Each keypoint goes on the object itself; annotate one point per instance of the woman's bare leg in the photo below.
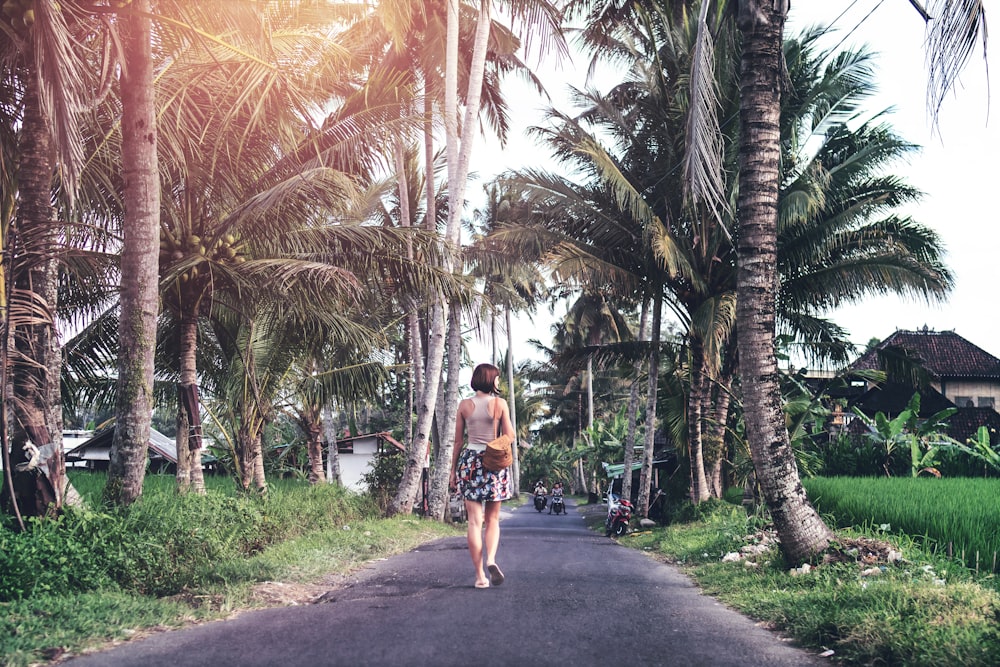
(474, 536)
(492, 538)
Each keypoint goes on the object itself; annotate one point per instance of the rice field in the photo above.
(958, 516)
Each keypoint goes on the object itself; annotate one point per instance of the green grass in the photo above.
(924, 611)
(99, 575)
(47, 627)
(951, 516)
(927, 610)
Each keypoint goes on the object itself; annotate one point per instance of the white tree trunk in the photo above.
(511, 400)
(447, 413)
(590, 392)
(462, 153)
(458, 155)
(416, 451)
(633, 409)
(332, 456)
(646, 475)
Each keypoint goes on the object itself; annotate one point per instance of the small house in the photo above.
(357, 453)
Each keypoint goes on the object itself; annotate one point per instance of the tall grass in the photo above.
(164, 543)
(100, 574)
(956, 517)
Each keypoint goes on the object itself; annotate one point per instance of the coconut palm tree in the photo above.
(670, 245)
(312, 384)
(227, 202)
(251, 235)
(537, 16)
(139, 262)
(509, 284)
(846, 204)
(802, 532)
(51, 85)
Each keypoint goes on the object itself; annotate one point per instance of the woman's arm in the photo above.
(459, 437)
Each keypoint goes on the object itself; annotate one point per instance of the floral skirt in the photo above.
(477, 484)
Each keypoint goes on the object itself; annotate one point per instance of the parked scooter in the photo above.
(558, 505)
(540, 501)
(618, 518)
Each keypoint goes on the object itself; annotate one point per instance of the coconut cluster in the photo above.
(222, 250)
(19, 13)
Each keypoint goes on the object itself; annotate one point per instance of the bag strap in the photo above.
(496, 417)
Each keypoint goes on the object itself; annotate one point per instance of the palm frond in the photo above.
(703, 170)
(955, 28)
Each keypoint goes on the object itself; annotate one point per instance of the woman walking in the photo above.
(483, 490)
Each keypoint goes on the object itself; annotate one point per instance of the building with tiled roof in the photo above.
(964, 373)
(954, 373)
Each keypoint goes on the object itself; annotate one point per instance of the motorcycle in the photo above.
(540, 501)
(618, 518)
(558, 505)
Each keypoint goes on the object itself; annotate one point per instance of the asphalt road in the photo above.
(571, 597)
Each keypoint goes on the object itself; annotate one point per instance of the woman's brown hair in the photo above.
(484, 378)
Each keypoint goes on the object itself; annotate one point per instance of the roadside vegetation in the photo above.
(96, 576)
(890, 594)
(319, 273)
(883, 597)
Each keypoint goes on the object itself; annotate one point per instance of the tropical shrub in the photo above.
(383, 478)
(849, 455)
(919, 439)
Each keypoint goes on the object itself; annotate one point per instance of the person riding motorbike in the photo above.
(540, 500)
(557, 495)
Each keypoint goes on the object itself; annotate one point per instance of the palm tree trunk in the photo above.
(458, 167)
(314, 446)
(444, 447)
(800, 529)
(259, 481)
(590, 392)
(412, 316)
(189, 475)
(463, 154)
(633, 409)
(646, 474)
(33, 242)
(250, 459)
(332, 455)
(182, 475)
(720, 417)
(715, 437)
(416, 451)
(699, 486)
(139, 262)
(512, 402)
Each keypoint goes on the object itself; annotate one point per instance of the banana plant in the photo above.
(980, 447)
(923, 438)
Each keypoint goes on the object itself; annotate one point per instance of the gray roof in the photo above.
(98, 447)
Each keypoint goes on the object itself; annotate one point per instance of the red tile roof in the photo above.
(944, 353)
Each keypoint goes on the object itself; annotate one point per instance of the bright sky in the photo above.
(954, 169)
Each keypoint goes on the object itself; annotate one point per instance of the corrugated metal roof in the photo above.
(97, 447)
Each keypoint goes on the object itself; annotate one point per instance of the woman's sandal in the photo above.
(482, 584)
(496, 576)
